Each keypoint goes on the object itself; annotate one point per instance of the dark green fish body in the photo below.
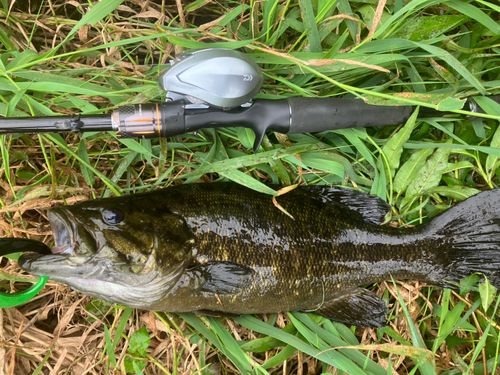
(224, 249)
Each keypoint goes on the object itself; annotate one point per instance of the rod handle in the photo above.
(310, 115)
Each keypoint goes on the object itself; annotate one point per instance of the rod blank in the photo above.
(55, 124)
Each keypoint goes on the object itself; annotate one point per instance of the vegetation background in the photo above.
(64, 57)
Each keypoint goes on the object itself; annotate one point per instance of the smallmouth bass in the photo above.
(223, 249)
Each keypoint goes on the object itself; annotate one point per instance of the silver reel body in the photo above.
(215, 77)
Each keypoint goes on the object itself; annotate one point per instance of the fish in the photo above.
(222, 249)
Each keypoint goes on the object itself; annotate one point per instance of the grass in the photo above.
(58, 58)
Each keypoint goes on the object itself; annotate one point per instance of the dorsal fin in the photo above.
(370, 209)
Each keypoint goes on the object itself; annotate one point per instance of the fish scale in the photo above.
(327, 267)
(223, 249)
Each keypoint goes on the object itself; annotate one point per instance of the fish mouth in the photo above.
(63, 233)
(70, 236)
(75, 246)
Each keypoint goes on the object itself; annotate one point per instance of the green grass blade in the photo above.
(197, 4)
(421, 145)
(429, 176)
(459, 193)
(425, 368)
(259, 326)
(309, 20)
(476, 14)
(123, 322)
(334, 341)
(220, 342)
(480, 345)
(268, 17)
(109, 346)
(315, 341)
(250, 182)
(231, 345)
(409, 9)
(87, 174)
(394, 147)
(22, 58)
(97, 13)
(444, 311)
(56, 138)
(323, 162)
(410, 168)
(284, 354)
(489, 105)
(345, 8)
(123, 165)
(38, 370)
(191, 44)
(457, 65)
(249, 160)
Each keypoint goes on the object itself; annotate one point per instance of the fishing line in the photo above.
(322, 302)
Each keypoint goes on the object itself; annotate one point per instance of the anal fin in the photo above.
(356, 306)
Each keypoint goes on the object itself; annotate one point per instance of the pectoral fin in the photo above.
(356, 306)
(221, 277)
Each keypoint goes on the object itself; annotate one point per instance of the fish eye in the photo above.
(112, 216)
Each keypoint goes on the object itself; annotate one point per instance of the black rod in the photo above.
(55, 124)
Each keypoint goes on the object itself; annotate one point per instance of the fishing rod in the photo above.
(215, 88)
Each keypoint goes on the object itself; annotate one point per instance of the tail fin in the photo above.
(470, 232)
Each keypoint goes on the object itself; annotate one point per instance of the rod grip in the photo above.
(309, 115)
